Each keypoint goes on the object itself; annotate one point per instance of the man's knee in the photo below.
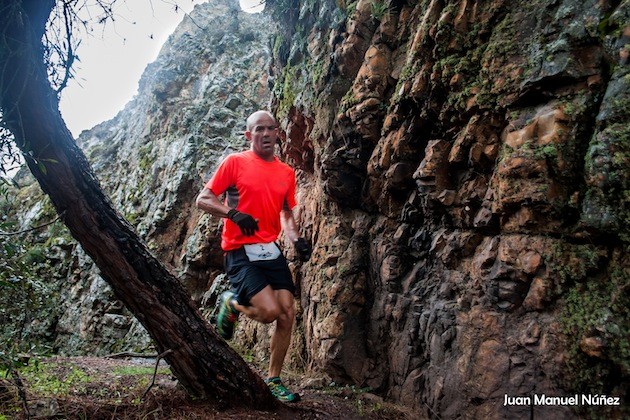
(287, 316)
(289, 312)
(267, 315)
(284, 314)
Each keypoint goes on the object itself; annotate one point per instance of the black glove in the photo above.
(303, 249)
(247, 223)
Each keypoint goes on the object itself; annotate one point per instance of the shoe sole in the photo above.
(223, 304)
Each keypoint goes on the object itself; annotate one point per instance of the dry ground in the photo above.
(106, 388)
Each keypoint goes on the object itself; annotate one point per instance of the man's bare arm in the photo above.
(289, 225)
(208, 202)
(291, 230)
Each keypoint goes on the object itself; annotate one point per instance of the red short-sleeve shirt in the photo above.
(256, 187)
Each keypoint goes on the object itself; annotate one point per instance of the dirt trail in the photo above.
(106, 388)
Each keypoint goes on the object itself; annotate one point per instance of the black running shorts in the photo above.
(250, 277)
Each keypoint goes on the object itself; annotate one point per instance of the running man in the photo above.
(260, 197)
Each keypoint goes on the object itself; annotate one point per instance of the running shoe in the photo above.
(228, 316)
(280, 391)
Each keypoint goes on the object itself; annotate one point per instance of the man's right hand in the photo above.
(247, 223)
(303, 248)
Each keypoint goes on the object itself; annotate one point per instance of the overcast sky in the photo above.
(113, 58)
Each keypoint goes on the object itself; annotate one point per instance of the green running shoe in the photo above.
(226, 320)
(280, 391)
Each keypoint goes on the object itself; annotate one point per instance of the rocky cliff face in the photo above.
(463, 171)
(463, 176)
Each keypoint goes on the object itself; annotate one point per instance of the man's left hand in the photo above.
(303, 248)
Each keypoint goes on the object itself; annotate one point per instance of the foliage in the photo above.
(102, 382)
(50, 379)
(288, 92)
(598, 309)
(9, 157)
(60, 43)
(594, 311)
(379, 9)
(69, 22)
(572, 263)
(140, 370)
(28, 299)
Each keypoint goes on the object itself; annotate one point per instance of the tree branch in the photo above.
(157, 363)
(33, 228)
(69, 60)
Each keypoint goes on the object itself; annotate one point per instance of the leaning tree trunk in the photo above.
(201, 361)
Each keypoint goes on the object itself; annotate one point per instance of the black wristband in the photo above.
(231, 213)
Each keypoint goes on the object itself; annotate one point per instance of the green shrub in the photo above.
(28, 298)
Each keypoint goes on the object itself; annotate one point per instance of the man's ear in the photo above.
(248, 135)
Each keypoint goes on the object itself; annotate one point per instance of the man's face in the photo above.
(263, 134)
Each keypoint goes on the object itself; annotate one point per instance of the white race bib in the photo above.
(262, 252)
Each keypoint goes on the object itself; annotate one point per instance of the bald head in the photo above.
(256, 116)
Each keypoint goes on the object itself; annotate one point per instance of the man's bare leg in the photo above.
(281, 337)
(267, 306)
(263, 306)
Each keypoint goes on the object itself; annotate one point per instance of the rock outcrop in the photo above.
(463, 171)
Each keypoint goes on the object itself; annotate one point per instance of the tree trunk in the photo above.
(203, 363)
